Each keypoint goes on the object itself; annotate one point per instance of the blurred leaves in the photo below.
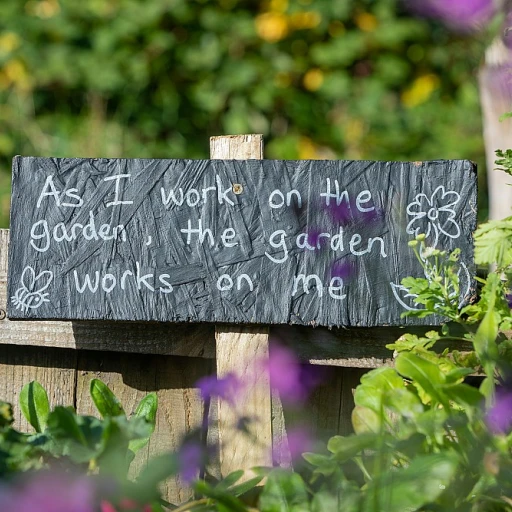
(134, 78)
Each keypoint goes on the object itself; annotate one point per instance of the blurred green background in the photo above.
(156, 78)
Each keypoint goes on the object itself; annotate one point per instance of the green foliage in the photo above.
(157, 78)
(65, 439)
(34, 405)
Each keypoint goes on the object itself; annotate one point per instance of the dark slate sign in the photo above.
(250, 241)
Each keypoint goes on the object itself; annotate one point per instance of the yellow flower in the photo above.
(42, 9)
(366, 22)
(420, 90)
(304, 20)
(313, 79)
(9, 41)
(272, 26)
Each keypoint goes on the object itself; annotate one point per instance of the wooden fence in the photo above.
(137, 358)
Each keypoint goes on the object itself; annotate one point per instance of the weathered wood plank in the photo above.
(54, 369)
(239, 351)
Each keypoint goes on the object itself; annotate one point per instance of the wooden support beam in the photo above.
(239, 349)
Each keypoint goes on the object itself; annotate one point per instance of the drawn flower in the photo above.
(434, 215)
(460, 15)
(499, 416)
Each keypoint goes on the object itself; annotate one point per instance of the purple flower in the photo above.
(344, 269)
(288, 377)
(339, 213)
(460, 15)
(190, 460)
(508, 297)
(49, 492)
(499, 416)
(225, 387)
(296, 442)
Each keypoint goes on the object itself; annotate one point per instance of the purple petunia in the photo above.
(190, 459)
(460, 15)
(288, 377)
(297, 441)
(226, 387)
(49, 492)
(499, 416)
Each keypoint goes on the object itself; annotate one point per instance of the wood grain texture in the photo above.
(238, 241)
(496, 97)
(54, 369)
(239, 351)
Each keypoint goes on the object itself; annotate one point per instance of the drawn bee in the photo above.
(30, 294)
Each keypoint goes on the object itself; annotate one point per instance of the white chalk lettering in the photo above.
(167, 199)
(39, 236)
(271, 201)
(117, 179)
(223, 195)
(225, 282)
(48, 184)
(335, 290)
(343, 196)
(200, 232)
(113, 282)
(163, 280)
(247, 279)
(143, 279)
(87, 282)
(302, 242)
(302, 278)
(71, 193)
(193, 201)
(278, 245)
(227, 235)
(364, 197)
(227, 279)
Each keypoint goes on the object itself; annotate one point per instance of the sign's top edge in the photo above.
(103, 159)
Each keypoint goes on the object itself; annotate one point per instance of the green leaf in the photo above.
(374, 384)
(365, 420)
(493, 243)
(104, 400)
(464, 394)
(146, 410)
(344, 448)
(62, 424)
(504, 116)
(238, 490)
(404, 402)
(34, 405)
(409, 489)
(228, 502)
(284, 492)
(424, 373)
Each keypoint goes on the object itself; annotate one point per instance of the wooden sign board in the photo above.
(250, 241)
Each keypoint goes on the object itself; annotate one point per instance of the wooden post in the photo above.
(496, 99)
(239, 349)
